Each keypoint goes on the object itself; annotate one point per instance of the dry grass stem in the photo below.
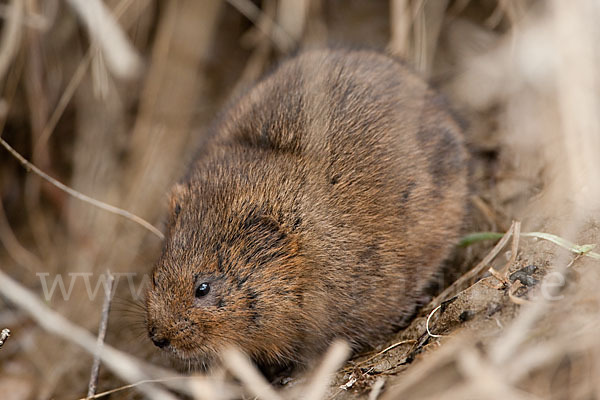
(391, 347)
(122, 59)
(80, 196)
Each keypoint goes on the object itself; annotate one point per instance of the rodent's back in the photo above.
(333, 190)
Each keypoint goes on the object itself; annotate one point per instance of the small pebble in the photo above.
(524, 275)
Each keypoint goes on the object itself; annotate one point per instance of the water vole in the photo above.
(326, 200)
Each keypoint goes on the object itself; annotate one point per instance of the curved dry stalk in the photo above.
(433, 335)
(391, 347)
(97, 203)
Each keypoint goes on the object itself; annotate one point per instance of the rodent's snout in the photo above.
(169, 322)
(159, 338)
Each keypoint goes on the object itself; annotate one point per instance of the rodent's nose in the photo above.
(160, 341)
(157, 339)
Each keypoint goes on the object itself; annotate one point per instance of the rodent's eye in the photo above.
(177, 209)
(202, 289)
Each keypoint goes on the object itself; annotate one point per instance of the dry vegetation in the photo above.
(111, 98)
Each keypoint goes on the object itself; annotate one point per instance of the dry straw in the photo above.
(96, 203)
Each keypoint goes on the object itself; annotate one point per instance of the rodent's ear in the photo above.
(268, 231)
(176, 198)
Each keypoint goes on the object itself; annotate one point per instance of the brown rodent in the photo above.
(326, 200)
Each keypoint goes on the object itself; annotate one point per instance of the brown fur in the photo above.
(325, 202)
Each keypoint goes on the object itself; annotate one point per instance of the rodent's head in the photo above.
(228, 276)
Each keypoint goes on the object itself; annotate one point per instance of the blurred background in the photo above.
(112, 98)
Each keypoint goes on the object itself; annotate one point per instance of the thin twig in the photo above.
(107, 207)
(101, 335)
